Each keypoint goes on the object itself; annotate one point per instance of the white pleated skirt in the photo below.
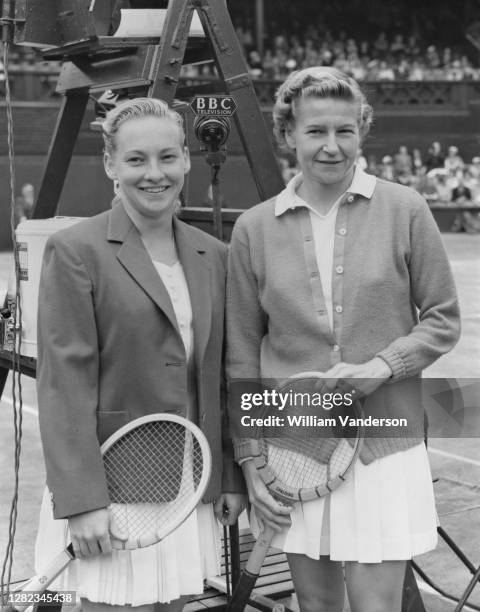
(160, 573)
(385, 511)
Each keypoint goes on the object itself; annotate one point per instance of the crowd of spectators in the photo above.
(400, 57)
(382, 59)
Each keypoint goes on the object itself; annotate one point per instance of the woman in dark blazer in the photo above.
(131, 323)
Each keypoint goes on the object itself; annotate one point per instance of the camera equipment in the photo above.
(213, 132)
(212, 129)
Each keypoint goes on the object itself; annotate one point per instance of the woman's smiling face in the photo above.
(149, 162)
(326, 138)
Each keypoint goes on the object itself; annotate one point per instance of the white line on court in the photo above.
(446, 454)
(25, 407)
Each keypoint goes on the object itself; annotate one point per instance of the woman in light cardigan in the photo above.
(345, 274)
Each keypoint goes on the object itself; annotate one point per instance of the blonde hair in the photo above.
(320, 82)
(137, 108)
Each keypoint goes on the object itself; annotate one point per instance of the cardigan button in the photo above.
(336, 348)
(338, 309)
(350, 198)
(339, 269)
(342, 231)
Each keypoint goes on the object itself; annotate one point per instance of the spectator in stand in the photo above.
(469, 72)
(397, 48)
(447, 56)
(381, 45)
(417, 161)
(402, 71)
(290, 65)
(453, 161)
(387, 171)
(326, 55)
(373, 167)
(461, 194)
(455, 72)
(465, 221)
(351, 47)
(269, 71)
(361, 160)
(385, 72)
(435, 156)
(417, 71)
(432, 59)
(425, 185)
(280, 61)
(472, 182)
(311, 54)
(364, 49)
(412, 47)
(357, 69)
(255, 64)
(403, 162)
(444, 193)
(475, 168)
(372, 70)
(341, 63)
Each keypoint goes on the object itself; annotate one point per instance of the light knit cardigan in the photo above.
(393, 297)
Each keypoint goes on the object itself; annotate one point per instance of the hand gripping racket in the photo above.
(157, 469)
(303, 454)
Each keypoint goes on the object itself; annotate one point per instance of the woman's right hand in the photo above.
(90, 533)
(267, 508)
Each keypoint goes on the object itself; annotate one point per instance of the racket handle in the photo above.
(41, 581)
(249, 575)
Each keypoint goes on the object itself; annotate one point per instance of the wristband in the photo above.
(244, 460)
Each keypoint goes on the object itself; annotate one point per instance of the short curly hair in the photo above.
(137, 108)
(321, 82)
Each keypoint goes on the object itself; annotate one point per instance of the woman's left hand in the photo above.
(228, 507)
(362, 378)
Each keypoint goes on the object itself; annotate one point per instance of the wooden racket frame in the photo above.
(202, 485)
(41, 581)
(285, 492)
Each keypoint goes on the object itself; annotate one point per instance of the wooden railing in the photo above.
(447, 95)
(36, 84)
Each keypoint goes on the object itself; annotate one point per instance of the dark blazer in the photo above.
(109, 350)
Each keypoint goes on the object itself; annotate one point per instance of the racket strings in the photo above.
(152, 473)
(298, 470)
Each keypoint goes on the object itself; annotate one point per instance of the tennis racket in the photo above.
(303, 454)
(157, 469)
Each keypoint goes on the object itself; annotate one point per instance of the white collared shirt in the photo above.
(323, 226)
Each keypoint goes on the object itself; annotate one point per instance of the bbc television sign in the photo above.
(224, 106)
